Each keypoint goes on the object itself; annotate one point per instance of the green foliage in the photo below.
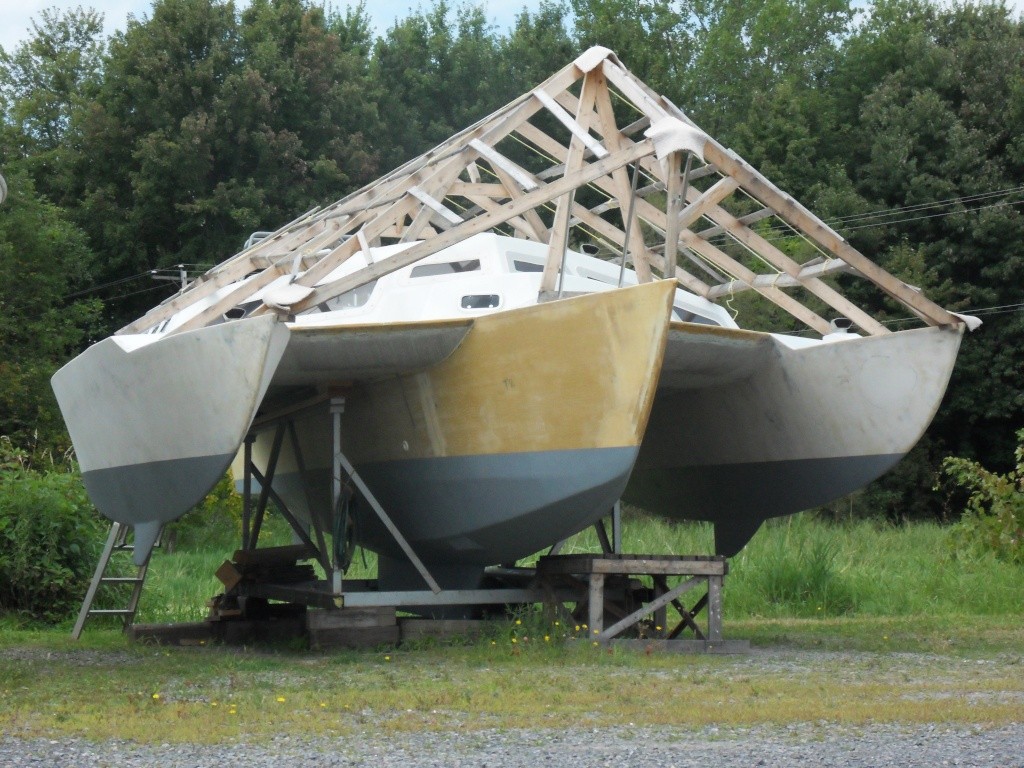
(43, 258)
(50, 537)
(215, 522)
(993, 517)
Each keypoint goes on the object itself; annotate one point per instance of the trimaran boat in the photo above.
(510, 333)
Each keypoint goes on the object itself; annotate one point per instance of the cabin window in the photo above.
(446, 268)
(690, 317)
(357, 297)
(481, 301)
(526, 266)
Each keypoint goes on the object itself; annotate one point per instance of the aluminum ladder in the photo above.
(116, 542)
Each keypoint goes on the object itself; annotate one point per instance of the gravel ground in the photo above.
(805, 745)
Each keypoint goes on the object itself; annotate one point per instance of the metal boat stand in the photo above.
(336, 592)
(597, 586)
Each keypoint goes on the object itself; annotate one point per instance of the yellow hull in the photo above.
(525, 434)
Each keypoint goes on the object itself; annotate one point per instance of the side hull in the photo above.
(156, 422)
(806, 427)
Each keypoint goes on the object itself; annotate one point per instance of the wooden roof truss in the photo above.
(590, 155)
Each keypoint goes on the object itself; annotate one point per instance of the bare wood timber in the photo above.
(792, 212)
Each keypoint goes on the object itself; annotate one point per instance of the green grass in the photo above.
(801, 566)
(851, 623)
(849, 671)
(795, 567)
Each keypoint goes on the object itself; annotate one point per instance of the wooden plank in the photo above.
(468, 189)
(220, 276)
(274, 555)
(440, 629)
(622, 188)
(634, 90)
(232, 299)
(499, 162)
(674, 200)
(777, 258)
(351, 618)
(228, 575)
(700, 203)
(729, 265)
(650, 607)
(750, 218)
(578, 127)
(353, 638)
(796, 215)
(781, 280)
(531, 217)
(558, 236)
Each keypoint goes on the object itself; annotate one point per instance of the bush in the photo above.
(993, 518)
(50, 537)
(216, 522)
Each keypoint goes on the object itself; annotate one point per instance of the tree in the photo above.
(45, 84)
(44, 259)
(209, 126)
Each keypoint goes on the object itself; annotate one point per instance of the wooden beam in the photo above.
(579, 127)
(780, 260)
(699, 203)
(750, 218)
(781, 279)
(574, 161)
(674, 201)
(729, 265)
(225, 274)
(621, 187)
(800, 218)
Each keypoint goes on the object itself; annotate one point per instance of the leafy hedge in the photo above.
(50, 537)
(993, 520)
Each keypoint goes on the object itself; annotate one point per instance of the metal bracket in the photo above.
(342, 462)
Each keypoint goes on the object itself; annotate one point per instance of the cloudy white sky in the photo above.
(16, 15)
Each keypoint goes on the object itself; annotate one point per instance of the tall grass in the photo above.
(799, 566)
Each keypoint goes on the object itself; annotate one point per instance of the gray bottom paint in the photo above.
(148, 495)
(737, 498)
(478, 510)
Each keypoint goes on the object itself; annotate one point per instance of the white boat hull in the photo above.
(156, 426)
(760, 430)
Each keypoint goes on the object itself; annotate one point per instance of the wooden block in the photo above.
(273, 555)
(229, 575)
(191, 633)
(353, 637)
(262, 631)
(351, 618)
(413, 629)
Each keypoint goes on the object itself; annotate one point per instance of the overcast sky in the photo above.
(16, 15)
